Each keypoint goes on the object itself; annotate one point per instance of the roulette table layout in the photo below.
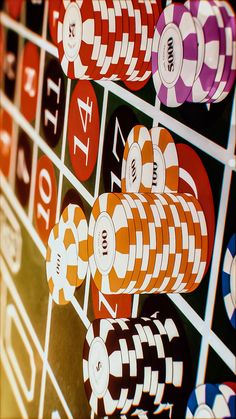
(117, 209)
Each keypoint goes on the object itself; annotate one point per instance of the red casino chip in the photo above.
(108, 306)
(193, 178)
(6, 125)
(83, 129)
(53, 15)
(14, 8)
(29, 84)
(45, 200)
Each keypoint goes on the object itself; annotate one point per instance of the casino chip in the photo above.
(229, 392)
(102, 367)
(137, 164)
(229, 280)
(208, 48)
(61, 265)
(105, 40)
(74, 219)
(109, 244)
(193, 179)
(194, 52)
(129, 363)
(75, 36)
(165, 165)
(174, 55)
(66, 257)
(208, 401)
(229, 20)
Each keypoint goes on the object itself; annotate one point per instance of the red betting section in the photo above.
(83, 129)
(45, 198)
(110, 305)
(193, 179)
(29, 85)
(5, 141)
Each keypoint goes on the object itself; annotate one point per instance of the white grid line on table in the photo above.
(213, 340)
(80, 312)
(215, 266)
(63, 149)
(135, 305)
(33, 176)
(216, 256)
(6, 276)
(49, 311)
(156, 118)
(26, 33)
(38, 116)
(24, 124)
(46, 348)
(232, 129)
(101, 142)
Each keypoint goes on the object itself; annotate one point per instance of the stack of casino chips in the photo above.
(147, 243)
(107, 39)
(132, 366)
(194, 52)
(149, 238)
(66, 254)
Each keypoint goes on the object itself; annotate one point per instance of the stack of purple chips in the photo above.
(194, 52)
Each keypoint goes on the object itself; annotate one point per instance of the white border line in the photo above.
(63, 149)
(26, 33)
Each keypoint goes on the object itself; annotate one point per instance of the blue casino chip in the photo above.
(207, 401)
(229, 280)
(229, 394)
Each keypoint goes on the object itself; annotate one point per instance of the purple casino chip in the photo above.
(174, 55)
(230, 25)
(220, 74)
(208, 48)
